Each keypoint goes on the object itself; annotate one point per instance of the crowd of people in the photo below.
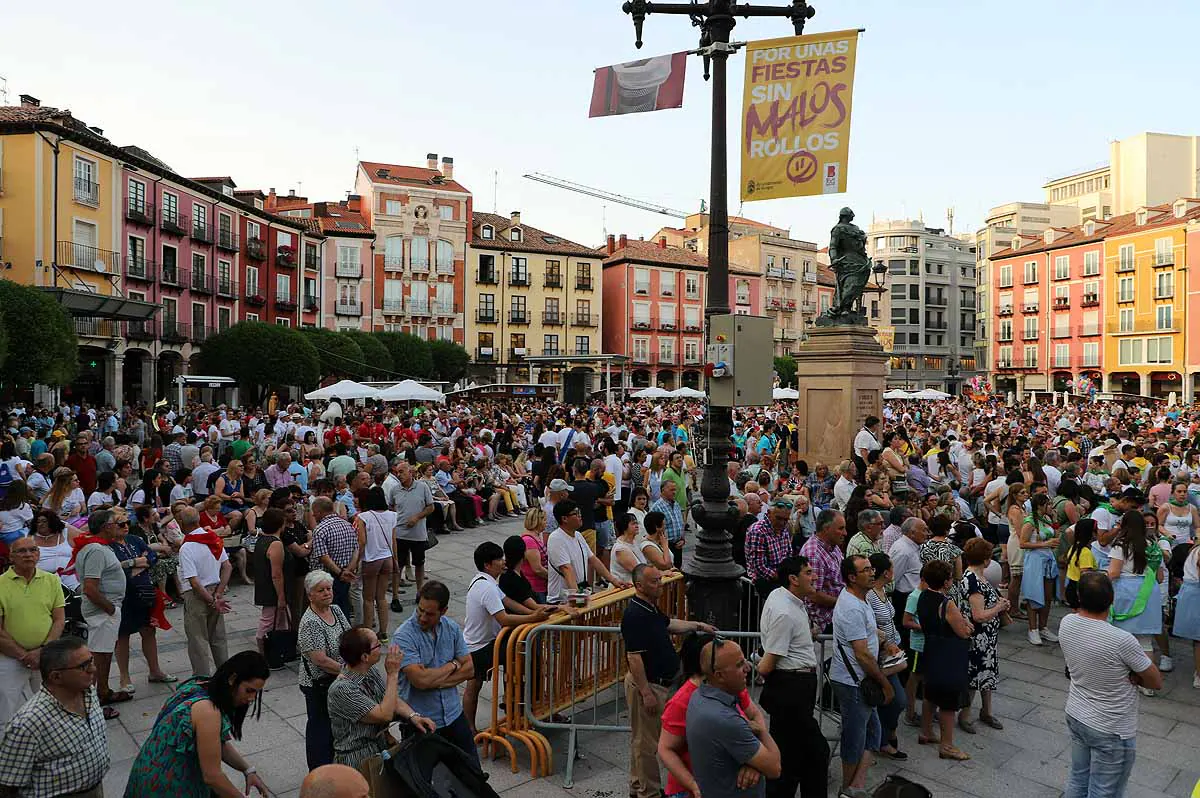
(890, 573)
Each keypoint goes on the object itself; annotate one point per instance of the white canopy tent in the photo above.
(687, 393)
(346, 389)
(785, 393)
(653, 392)
(930, 394)
(411, 391)
(897, 393)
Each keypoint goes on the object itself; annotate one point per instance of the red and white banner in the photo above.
(650, 84)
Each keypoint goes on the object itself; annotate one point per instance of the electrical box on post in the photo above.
(740, 362)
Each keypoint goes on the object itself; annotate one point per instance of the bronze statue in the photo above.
(848, 257)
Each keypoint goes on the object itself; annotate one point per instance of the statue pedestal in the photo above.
(841, 376)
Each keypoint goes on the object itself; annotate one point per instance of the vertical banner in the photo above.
(650, 84)
(796, 115)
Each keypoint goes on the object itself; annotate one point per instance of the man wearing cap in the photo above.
(569, 555)
(768, 543)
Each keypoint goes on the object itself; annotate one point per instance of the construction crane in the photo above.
(607, 196)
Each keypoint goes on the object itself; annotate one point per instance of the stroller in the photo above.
(428, 766)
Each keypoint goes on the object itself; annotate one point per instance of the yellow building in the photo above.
(532, 304)
(1145, 278)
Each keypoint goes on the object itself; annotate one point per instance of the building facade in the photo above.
(931, 285)
(421, 218)
(533, 303)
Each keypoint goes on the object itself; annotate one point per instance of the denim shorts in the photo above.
(604, 535)
(860, 724)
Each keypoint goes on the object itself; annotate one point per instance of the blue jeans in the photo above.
(459, 733)
(341, 597)
(318, 732)
(1100, 762)
(889, 714)
(860, 724)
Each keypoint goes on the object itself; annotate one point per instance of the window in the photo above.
(1031, 271)
(445, 256)
(446, 213)
(170, 264)
(1125, 258)
(418, 252)
(485, 343)
(224, 269)
(641, 350)
(583, 345)
(1062, 325)
(514, 234)
(552, 307)
(251, 317)
(487, 232)
(1125, 289)
(666, 316)
(1164, 251)
(1091, 291)
(393, 252)
(487, 305)
(198, 317)
(1062, 295)
(251, 281)
(641, 281)
(137, 196)
(1091, 354)
(914, 291)
(550, 344)
(583, 309)
(874, 308)
(87, 187)
(899, 316)
(1006, 275)
(520, 271)
(691, 286)
(137, 255)
(392, 207)
(253, 230)
(742, 292)
(516, 342)
(770, 261)
(283, 321)
(445, 301)
(691, 318)
(641, 315)
(1006, 330)
(347, 292)
(199, 216)
(1125, 320)
(283, 239)
(224, 319)
(1062, 356)
(1031, 356)
(1031, 327)
(1091, 323)
(283, 288)
(1158, 350)
(898, 291)
(393, 296)
(1005, 357)
(1062, 267)
(1163, 317)
(914, 315)
(1164, 285)
(170, 204)
(666, 350)
(666, 282)
(1129, 351)
(691, 351)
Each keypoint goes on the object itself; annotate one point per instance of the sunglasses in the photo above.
(716, 642)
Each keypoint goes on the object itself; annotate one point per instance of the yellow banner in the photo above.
(796, 115)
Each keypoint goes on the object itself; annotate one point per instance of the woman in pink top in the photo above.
(533, 567)
(1160, 493)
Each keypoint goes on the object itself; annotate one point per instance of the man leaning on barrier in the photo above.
(653, 669)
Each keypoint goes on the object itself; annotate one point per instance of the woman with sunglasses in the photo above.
(137, 559)
(193, 734)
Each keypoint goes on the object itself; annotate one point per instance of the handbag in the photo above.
(279, 645)
(870, 690)
(946, 659)
(431, 539)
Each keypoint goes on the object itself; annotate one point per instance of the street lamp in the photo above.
(952, 372)
(713, 591)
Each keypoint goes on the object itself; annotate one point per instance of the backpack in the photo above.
(899, 787)
(431, 766)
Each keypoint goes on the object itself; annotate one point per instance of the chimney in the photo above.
(320, 208)
(431, 160)
(622, 242)
(271, 201)
(291, 192)
(354, 203)
(612, 244)
(516, 218)
(29, 101)
(662, 242)
(448, 168)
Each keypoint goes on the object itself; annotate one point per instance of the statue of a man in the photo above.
(848, 257)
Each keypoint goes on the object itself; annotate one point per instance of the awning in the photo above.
(85, 303)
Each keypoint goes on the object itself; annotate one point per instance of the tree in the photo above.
(785, 367)
(411, 358)
(259, 355)
(375, 354)
(41, 331)
(340, 356)
(449, 360)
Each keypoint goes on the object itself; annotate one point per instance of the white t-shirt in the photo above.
(484, 600)
(994, 485)
(865, 440)
(563, 550)
(200, 477)
(379, 527)
(1053, 479)
(1100, 658)
(614, 466)
(549, 439)
(1105, 519)
(98, 499)
(196, 559)
(16, 519)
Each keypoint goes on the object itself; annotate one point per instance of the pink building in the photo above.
(654, 309)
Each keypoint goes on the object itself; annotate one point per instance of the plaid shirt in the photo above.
(674, 518)
(49, 750)
(826, 562)
(820, 491)
(765, 549)
(334, 536)
(173, 454)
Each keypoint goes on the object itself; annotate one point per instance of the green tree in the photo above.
(44, 334)
(411, 358)
(375, 354)
(260, 355)
(785, 367)
(449, 360)
(340, 356)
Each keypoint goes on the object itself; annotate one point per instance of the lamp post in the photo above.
(713, 592)
(952, 372)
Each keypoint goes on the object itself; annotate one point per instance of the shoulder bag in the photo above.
(870, 690)
(946, 657)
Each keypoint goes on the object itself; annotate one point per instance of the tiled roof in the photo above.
(651, 253)
(532, 239)
(21, 113)
(1125, 224)
(408, 175)
(223, 179)
(344, 223)
(752, 223)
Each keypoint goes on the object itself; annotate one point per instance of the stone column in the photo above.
(149, 373)
(1143, 384)
(1106, 382)
(114, 368)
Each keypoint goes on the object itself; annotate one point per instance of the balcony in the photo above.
(171, 222)
(420, 266)
(584, 320)
(227, 288)
(775, 272)
(485, 354)
(1124, 297)
(668, 325)
(1126, 265)
(285, 257)
(552, 317)
(518, 278)
(312, 261)
(1030, 335)
(937, 325)
(1017, 365)
(667, 359)
(255, 299)
(583, 283)
(1031, 279)
(1029, 307)
(393, 263)
(139, 212)
(642, 358)
(808, 308)
(518, 317)
(312, 304)
(936, 299)
(285, 304)
(1087, 361)
(93, 327)
(692, 359)
(92, 259)
(417, 306)
(342, 308)
(1088, 330)
(171, 275)
(228, 240)
(202, 232)
(1162, 259)
(141, 330)
(199, 333)
(1164, 293)
(201, 283)
(445, 268)
(351, 270)
(1145, 324)
(774, 303)
(87, 192)
(139, 269)
(173, 332)
(487, 316)
(1062, 302)
(444, 307)
(693, 327)
(1005, 336)
(393, 305)
(1004, 310)
(789, 306)
(256, 249)
(638, 324)
(487, 277)
(555, 352)
(552, 280)
(517, 353)
(1090, 300)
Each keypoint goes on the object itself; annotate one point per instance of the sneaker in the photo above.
(1196, 681)
(1146, 691)
(1034, 637)
(1048, 636)
(1166, 664)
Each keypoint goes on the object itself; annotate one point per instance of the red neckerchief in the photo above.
(77, 546)
(208, 538)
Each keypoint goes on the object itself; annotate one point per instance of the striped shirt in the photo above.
(1100, 658)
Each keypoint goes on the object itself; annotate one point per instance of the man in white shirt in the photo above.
(1106, 664)
(906, 566)
(487, 610)
(569, 555)
(204, 578)
(844, 486)
(205, 469)
(1051, 470)
(614, 466)
(865, 442)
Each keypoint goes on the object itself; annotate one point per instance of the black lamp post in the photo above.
(952, 372)
(713, 592)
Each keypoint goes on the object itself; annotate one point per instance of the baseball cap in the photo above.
(1134, 495)
(560, 484)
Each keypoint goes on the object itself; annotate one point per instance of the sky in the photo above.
(957, 104)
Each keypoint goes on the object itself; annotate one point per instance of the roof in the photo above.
(752, 223)
(224, 179)
(1125, 224)
(532, 239)
(329, 218)
(400, 175)
(651, 253)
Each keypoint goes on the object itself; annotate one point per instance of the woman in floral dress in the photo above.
(203, 708)
(983, 606)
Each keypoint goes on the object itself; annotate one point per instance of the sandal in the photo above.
(130, 688)
(111, 713)
(988, 720)
(953, 753)
(118, 697)
(166, 678)
(931, 740)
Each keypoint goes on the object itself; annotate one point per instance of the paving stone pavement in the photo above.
(1027, 759)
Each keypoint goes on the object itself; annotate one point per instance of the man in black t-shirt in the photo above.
(585, 491)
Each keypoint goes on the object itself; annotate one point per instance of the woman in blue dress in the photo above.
(1136, 567)
(1187, 608)
(1040, 570)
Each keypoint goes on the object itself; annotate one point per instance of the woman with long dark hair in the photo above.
(1079, 559)
(194, 731)
(1040, 571)
(1136, 568)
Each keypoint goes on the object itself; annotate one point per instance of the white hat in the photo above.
(560, 484)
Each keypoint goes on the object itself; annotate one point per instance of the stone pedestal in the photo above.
(841, 377)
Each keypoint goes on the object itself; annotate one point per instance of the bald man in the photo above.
(334, 781)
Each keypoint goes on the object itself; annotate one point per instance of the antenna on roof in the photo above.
(604, 220)
(356, 153)
(495, 189)
(950, 219)
(3, 90)
(300, 187)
